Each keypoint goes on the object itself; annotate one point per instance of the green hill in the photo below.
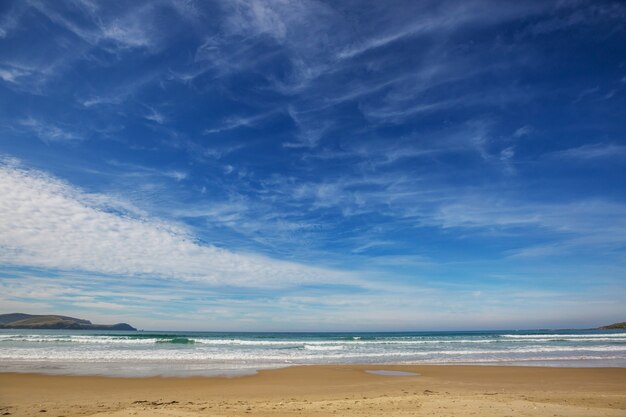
(30, 321)
(8, 318)
(614, 326)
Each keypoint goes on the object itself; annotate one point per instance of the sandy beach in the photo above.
(328, 390)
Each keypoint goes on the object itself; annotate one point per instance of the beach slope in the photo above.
(328, 390)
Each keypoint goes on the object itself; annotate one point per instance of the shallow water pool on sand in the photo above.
(391, 373)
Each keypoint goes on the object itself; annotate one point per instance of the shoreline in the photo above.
(210, 354)
(316, 390)
(243, 372)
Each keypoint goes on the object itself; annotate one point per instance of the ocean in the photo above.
(150, 353)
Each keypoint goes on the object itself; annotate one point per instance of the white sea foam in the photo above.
(300, 343)
(104, 340)
(322, 347)
(318, 352)
(569, 336)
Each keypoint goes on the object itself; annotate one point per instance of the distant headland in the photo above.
(614, 326)
(51, 321)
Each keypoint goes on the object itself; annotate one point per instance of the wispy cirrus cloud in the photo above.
(49, 132)
(84, 31)
(155, 116)
(134, 29)
(318, 66)
(592, 151)
(235, 122)
(12, 74)
(444, 20)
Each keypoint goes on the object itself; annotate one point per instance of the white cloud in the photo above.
(593, 151)
(582, 225)
(123, 91)
(127, 32)
(49, 224)
(282, 20)
(425, 18)
(94, 101)
(101, 305)
(522, 132)
(316, 38)
(311, 130)
(176, 175)
(304, 31)
(84, 34)
(10, 19)
(133, 29)
(153, 115)
(393, 110)
(13, 74)
(236, 122)
(48, 132)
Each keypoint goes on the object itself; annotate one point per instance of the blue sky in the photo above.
(309, 165)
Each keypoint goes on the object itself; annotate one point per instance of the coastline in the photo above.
(317, 390)
(186, 353)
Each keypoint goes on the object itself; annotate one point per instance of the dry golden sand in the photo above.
(328, 390)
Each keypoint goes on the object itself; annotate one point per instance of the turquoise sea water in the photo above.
(211, 353)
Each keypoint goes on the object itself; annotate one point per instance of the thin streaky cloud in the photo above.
(593, 151)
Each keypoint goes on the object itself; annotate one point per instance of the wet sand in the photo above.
(346, 390)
